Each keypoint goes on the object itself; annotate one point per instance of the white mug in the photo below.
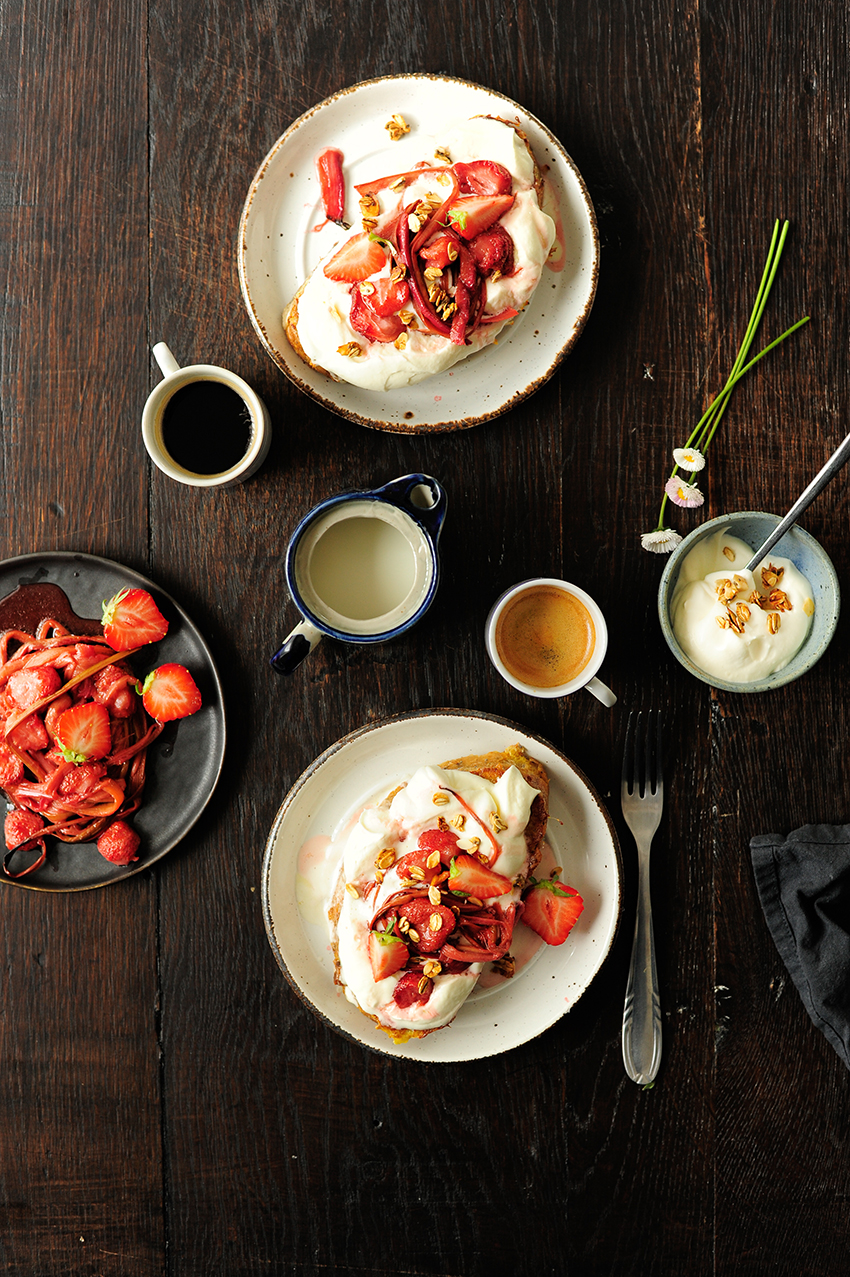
(241, 454)
(538, 652)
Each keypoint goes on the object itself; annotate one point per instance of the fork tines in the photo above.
(642, 757)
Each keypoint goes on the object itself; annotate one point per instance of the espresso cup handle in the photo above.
(295, 648)
(163, 356)
(601, 692)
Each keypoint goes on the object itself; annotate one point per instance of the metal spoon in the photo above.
(821, 479)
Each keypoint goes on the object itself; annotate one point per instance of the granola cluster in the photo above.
(738, 611)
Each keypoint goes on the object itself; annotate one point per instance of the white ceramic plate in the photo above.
(362, 766)
(278, 248)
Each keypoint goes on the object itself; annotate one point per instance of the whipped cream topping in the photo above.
(397, 828)
(756, 646)
(324, 304)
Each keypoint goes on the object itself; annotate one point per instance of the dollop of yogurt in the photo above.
(737, 625)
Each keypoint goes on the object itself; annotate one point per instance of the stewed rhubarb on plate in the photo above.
(183, 763)
(283, 234)
(298, 872)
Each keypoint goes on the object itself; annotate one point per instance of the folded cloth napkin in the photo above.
(803, 883)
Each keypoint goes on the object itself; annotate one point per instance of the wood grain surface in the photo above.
(167, 1104)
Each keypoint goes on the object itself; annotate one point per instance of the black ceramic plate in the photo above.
(184, 763)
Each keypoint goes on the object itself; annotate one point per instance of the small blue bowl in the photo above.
(804, 552)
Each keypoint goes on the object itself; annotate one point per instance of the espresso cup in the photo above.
(362, 567)
(204, 426)
(548, 638)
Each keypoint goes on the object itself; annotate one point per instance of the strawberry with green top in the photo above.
(387, 954)
(551, 908)
(472, 878)
(131, 619)
(359, 257)
(170, 692)
(472, 214)
(83, 732)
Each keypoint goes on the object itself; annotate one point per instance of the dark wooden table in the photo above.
(168, 1104)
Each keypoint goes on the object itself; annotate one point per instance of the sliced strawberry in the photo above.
(433, 924)
(359, 257)
(383, 328)
(483, 177)
(83, 732)
(30, 734)
(551, 908)
(442, 840)
(20, 826)
(331, 183)
(387, 954)
(119, 843)
(11, 767)
(440, 251)
(407, 991)
(385, 296)
(472, 878)
(131, 619)
(493, 250)
(413, 866)
(170, 692)
(472, 214)
(30, 685)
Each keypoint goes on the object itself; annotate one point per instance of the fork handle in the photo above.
(642, 1012)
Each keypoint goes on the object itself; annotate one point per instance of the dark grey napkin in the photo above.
(803, 883)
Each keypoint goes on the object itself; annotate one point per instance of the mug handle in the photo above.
(400, 492)
(295, 648)
(163, 356)
(601, 692)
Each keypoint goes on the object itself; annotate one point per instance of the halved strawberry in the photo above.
(473, 878)
(385, 296)
(30, 685)
(331, 183)
(119, 843)
(433, 924)
(170, 692)
(472, 214)
(413, 866)
(363, 320)
(493, 250)
(551, 908)
(387, 954)
(359, 257)
(483, 177)
(131, 619)
(83, 732)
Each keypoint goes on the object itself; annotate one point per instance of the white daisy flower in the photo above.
(689, 459)
(662, 541)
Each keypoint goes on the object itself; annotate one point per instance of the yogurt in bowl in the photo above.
(748, 631)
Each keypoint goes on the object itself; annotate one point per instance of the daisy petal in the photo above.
(689, 459)
(662, 541)
(683, 494)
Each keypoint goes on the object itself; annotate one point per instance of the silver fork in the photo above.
(642, 796)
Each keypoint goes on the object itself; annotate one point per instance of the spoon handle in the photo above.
(821, 479)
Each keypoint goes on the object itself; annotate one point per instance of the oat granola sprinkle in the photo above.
(400, 341)
(431, 968)
(351, 888)
(369, 206)
(458, 821)
(496, 822)
(397, 127)
(351, 350)
(809, 607)
(413, 933)
(505, 966)
(722, 621)
(441, 799)
(435, 922)
(433, 860)
(774, 620)
(435, 896)
(385, 858)
(424, 984)
(442, 154)
(729, 552)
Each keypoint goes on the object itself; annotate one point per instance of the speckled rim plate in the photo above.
(277, 249)
(183, 764)
(365, 764)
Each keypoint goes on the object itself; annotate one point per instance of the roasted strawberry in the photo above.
(28, 686)
(383, 328)
(469, 876)
(54, 712)
(114, 687)
(83, 732)
(440, 251)
(493, 250)
(11, 767)
(119, 843)
(30, 734)
(413, 866)
(551, 908)
(359, 257)
(82, 780)
(432, 924)
(20, 826)
(331, 183)
(130, 619)
(385, 296)
(442, 840)
(483, 177)
(412, 990)
(472, 214)
(387, 954)
(170, 692)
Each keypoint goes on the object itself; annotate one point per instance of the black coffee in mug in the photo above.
(206, 427)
